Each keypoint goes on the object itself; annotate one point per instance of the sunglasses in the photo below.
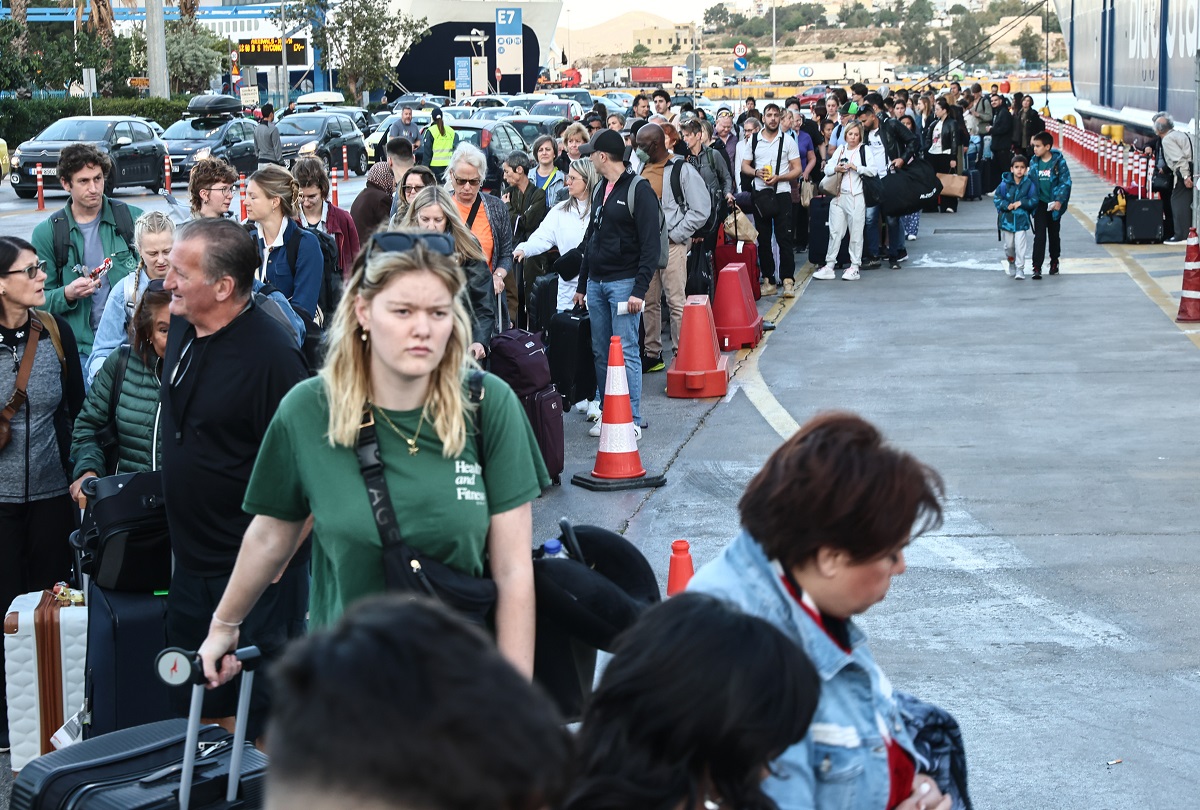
(400, 241)
(31, 271)
(459, 181)
(155, 285)
(412, 189)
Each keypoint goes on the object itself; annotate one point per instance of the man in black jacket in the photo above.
(227, 366)
(899, 146)
(1001, 131)
(620, 255)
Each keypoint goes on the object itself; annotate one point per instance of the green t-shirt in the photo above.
(1045, 180)
(443, 505)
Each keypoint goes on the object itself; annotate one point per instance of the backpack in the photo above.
(61, 230)
(331, 274)
(664, 244)
(716, 200)
(1114, 203)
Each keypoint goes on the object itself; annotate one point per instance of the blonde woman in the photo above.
(433, 209)
(397, 350)
(848, 210)
(272, 204)
(565, 224)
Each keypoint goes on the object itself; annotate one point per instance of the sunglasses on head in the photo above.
(31, 271)
(155, 285)
(400, 241)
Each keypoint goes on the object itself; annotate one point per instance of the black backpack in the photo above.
(331, 275)
(61, 231)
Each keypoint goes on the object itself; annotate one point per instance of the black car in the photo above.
(136, 152)
(497, 139)
(533, 127)
(211, 131)
(322, 135)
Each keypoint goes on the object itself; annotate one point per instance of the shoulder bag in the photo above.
(404, 568)
(19, 396)
(831, 184)
(872, 185)
(766, 200)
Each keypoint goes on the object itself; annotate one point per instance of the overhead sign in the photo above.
(269, 51)
(740, 50)
(462, 75)
(510, 37)
(740, 64)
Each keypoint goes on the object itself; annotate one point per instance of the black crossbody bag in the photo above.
(404, 568)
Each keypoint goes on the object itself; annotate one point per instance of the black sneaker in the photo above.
(1037, 274)
(894, 264)
(872, 264)
(903, 255)
(1054, 267)
(4, 745)
(653, 364)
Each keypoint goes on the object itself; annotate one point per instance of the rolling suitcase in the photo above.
(126, 632)
(974, 185)
(738, 251)
(545, 411)
(170, 764)
(45, 649)
(124, 542)
(572, 365)
(1143, 220)
(543, 302)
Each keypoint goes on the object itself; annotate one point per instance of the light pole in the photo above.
(773, 37)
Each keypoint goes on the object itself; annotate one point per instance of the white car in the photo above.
(571, 110)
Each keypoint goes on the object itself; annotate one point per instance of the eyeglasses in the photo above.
(400, 241)
(32, 270)
(461, 181)
(412, 189)
(223, 190)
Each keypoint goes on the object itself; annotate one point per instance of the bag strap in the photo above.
(19, 396)
(474, 211)
(48, 323)
(114, 394)
(123, 219)
(753, 149)
(779, 157)
(61, 237)
(677, 183)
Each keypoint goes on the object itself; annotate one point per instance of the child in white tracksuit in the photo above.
(848, 209)
(1016, 201)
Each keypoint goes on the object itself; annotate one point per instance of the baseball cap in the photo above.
(435, 114)
(607, 141)
(849, 108)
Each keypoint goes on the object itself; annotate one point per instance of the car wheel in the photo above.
(25, 193)
(110, 183)
(363, 165)
(328, 165)
(159, 183)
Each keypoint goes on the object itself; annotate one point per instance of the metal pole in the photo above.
(773, 33)
(283, 52)
(1195, 140)
(156, 50)
(1046, 27)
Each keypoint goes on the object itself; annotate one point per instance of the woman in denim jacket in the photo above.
(825, 523)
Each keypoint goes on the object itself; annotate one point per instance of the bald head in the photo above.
(652, 139)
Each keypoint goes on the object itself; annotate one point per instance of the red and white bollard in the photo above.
(242, 194)
(167, 173)
(345, 161)
(333, 195)
(40, 191)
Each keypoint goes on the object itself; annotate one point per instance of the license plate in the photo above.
(50, 172)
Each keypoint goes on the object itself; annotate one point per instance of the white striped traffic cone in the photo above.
(1189, 301)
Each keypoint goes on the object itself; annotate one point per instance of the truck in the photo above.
(613, 77)
(549, 78)
(872, 73)
(710, 77)
(663, 76)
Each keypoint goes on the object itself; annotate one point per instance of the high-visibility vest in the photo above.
(443, 146)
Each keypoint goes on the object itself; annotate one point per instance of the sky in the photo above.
(586, 13)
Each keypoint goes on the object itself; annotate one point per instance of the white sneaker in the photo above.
(581, 406)
(1009, 267)
(1019, 274)
(850, 275)
(825, 273)
(594, 431)
(912, 237)
(593, 410)
(637, 433)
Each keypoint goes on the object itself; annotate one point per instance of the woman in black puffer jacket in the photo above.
(134, 400)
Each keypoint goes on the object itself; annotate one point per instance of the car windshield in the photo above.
(75, 130)
(551, 108)
(193, 129)
(471, 136)
(301, 125)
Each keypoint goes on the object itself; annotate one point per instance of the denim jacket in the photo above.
(841, 764)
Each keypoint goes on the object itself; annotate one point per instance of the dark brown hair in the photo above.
(311, 172)
(207, 173)
(836, 484)
(141, 326)
(78, 156)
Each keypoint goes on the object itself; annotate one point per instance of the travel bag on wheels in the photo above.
(818, 234)
(572, 364)
(124, 543)
(737, 250)
(1110, 229)
(172, 764)
(1143, 220)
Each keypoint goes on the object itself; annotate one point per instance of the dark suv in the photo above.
(136, 152)
(224, 135)
(323, 134)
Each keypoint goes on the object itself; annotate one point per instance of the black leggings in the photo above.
(941, 164)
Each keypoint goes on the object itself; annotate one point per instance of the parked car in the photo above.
(377, 141)
(479, 102)
(611, 105)
(561, 107)
(497, 113)
(583, 97)
(136, 152)
(533, 127)
(620, 97)
(529, 100)
(213, 127)
(323, 134)
(497, 140)
(3, 154)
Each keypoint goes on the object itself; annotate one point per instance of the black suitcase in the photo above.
(1143, 220)
(124, 541)
(545, 411)
(126, 632)
(974, 185)
(990, 171)
(572, 364)
(169, 765)
(543, 302)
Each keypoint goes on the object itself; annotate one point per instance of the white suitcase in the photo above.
(45, 656)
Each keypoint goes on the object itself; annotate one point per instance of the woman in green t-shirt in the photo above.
(397, 349)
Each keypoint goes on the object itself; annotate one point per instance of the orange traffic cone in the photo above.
(681, 570)
(1189, 303)
(737, 319)
(618, 464)
(242, 194)
(699, 369)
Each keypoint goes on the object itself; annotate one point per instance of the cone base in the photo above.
(594, 484)
(699, 384)
(740, 337)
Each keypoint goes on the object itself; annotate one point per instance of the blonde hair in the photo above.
(347, 369)
(577, 131)
(277, 182)
(148, 223)
(466, 246)
(855, 124)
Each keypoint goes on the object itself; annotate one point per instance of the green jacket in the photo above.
(125, 260)
(137, 417)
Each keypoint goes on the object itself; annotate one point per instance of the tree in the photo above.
(829, 54)
(365, 39)
(966, 34)
(1029, 44)
(956, 9)
(636, 57)
(855, 16)
(716, 15)
(21, 41)
(914, 33)
(887, 17)
(192, 56)
(1051, 24)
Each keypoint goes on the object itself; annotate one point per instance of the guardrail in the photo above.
(1107, 155)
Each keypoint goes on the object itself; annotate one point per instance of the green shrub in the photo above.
(21, 119)
(790, 42)
(830, 54)
(879, 41)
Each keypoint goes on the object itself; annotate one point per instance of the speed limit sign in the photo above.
(740, 50)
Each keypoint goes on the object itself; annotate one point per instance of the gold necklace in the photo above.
(412, 443)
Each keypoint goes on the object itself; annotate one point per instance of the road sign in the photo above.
(249, 95)
(510, 39)
(448, 84)
(138, 82)
(462, 75)
(233, 57)
(498, 75)
(740, 50)
(740, 64)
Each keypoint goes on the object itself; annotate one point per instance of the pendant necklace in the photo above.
(412, 443)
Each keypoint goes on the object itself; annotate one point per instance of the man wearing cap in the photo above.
(438, 144)
(620, 255)
(773, 161)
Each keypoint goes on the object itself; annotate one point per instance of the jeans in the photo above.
(602, 300)
(872, 237)
(871, 234)
(1181, 208)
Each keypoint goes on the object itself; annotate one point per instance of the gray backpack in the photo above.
(664, 247)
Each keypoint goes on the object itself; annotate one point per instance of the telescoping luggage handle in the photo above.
(177, 667)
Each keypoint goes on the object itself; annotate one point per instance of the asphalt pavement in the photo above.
(1052, 613)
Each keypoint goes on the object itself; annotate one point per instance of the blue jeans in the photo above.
(602, 300)
(872, 235)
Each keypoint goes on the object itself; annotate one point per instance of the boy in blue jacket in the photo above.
(1016, 201)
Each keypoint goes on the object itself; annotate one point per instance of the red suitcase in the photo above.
(746, 252)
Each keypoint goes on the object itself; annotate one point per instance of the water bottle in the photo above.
(554, 549)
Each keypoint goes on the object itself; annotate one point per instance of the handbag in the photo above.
(699, 271)
(908, 190)
(1110, 229)
(740, 226)
(953, 185)
(807, 191)
(831, 184)
(108, 435)
(19, 397)
(1162, 182)
(404, 568)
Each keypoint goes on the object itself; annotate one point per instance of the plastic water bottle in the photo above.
(554, 549)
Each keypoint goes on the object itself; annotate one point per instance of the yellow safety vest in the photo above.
(443, 146)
